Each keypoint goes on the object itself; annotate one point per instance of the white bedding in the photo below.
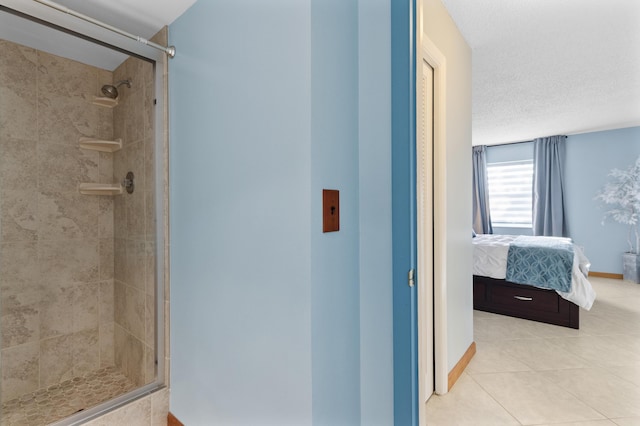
(490, 260)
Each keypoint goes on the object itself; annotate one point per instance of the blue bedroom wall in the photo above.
(272, 321)
(590, 158)
(510, 152)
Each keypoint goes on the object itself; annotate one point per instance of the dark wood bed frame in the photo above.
(522, 301)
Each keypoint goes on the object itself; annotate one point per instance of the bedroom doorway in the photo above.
(425, 232)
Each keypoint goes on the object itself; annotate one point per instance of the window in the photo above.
(510, 193)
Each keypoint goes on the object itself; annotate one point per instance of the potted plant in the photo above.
(623, 193)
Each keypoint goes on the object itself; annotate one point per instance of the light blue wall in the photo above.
(335, 290)
(240, 108)
(376, 313)
(272, 321)
(590, 158)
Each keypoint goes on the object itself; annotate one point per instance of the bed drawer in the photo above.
(523, 301)
(527, 298)
(479, 293)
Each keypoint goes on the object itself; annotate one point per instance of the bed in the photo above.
(550, 291)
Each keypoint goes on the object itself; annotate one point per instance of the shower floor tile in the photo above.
(59, 401)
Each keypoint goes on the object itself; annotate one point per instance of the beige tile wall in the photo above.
(56, 246)
(134, 230)
(151, 410)
(38, 134)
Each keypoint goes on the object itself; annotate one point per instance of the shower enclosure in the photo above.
(81, 234)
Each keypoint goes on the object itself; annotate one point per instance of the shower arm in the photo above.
(169, 50)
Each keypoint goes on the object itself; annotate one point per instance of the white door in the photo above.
(425, 263)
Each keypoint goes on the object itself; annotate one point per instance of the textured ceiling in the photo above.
(540, 67)
(546, 67)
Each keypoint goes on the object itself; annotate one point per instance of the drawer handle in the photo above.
(526, 299)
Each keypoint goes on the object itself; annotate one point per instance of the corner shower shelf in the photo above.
(105, 102)
(101, 145)
(100, 188)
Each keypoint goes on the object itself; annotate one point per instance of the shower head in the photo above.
(111, 91)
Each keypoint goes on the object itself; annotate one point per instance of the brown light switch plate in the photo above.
(330, 210)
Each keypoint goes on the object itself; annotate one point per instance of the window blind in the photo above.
(510, 193)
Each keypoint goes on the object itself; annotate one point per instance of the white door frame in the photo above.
(424, 228)
(427, 53)
(436, 60)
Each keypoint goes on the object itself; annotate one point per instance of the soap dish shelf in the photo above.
(101, 145)
(100, 189)
(104, 102)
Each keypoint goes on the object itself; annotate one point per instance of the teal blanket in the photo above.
(543, 262)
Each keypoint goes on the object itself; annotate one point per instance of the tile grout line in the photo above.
(497, 402)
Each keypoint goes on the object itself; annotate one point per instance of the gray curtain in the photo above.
(481, 215)
(548, 186)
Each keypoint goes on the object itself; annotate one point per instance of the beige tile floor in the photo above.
(59, 401)
(529, 373)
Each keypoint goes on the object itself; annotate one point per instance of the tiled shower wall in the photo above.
(135, 225)
(56, 246)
